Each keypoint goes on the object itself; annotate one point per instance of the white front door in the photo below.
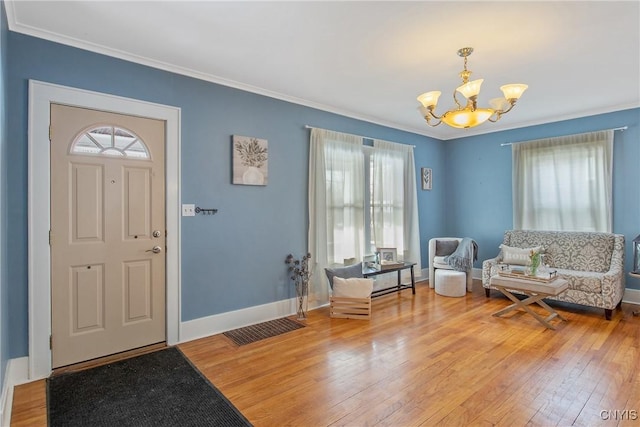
(107, 233)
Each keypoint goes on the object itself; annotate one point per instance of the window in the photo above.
(336, 197)
(392, 197)
(345, 190)
(360, 198)
(564, 183)
(109, 141)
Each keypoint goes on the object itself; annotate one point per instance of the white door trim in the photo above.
(41, 95)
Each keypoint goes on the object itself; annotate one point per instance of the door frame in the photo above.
(41, 96)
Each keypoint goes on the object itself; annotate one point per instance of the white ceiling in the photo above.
(369, 60)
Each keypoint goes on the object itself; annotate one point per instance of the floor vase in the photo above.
(302, 294)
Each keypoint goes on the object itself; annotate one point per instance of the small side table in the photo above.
(369, 272)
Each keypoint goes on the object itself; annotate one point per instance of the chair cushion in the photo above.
(439, 262)
(446, 247)
(352, 287)
(584, 281)
(354, 270)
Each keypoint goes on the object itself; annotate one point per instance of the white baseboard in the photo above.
(17, 373)
(631, 296)
(218, 323)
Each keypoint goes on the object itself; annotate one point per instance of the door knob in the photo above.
(155, 250)
(157, 233)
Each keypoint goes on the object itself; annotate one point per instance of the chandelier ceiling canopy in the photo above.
(470, 115)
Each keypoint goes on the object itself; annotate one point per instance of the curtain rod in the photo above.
(352, 134)
(621, 128)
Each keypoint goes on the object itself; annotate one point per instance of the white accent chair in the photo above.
(439, 248)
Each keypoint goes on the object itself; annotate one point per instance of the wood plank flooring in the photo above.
(424, 360)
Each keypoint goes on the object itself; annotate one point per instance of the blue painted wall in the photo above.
(234, 259)
(4, 283)
(479, 179)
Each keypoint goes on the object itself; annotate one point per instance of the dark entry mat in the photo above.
(156, 389)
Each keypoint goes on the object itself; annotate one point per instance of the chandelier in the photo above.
(470, 115)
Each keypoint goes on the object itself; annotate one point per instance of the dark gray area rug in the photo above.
(260, 331)
(156, 389)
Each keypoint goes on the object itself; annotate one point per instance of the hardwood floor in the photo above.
(424, 360)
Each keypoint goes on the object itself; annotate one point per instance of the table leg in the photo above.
(399, 279)
(550, 310)
(516, 303)
(413, 281)
(524, 304)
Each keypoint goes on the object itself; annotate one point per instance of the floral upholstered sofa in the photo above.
(592, 263)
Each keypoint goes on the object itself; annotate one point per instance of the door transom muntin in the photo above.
(109, 140)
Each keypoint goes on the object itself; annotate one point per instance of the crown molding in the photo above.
(115, 53)
(437, 134)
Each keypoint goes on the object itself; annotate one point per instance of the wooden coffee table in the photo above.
(536, 291)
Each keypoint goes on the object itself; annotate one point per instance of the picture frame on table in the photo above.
(388, 255)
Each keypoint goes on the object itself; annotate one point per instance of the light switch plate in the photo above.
(188, 210)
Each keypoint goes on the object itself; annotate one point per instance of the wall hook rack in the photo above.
(206, 211)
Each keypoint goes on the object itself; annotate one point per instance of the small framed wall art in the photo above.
(427, 178)
(250, 160)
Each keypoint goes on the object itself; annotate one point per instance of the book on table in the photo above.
(387, 265)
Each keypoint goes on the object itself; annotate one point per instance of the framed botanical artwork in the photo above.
(388, 255)
(427, 178)
(250, 160)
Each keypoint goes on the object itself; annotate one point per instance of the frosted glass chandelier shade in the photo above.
(470, 115)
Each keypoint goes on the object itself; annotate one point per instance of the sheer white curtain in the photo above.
(336, 203)
(394, 205)
(564, 183)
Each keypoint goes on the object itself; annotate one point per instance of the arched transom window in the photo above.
(110, 141)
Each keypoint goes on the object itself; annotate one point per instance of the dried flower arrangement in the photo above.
(300, 274)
